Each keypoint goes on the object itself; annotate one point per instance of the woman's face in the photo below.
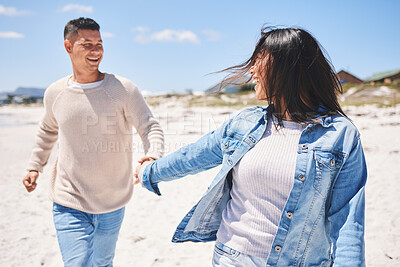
(257, 71)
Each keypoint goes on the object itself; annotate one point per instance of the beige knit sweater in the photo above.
(93, 172)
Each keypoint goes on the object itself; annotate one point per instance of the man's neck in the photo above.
(87, 77)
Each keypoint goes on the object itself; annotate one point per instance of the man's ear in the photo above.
(68, 46)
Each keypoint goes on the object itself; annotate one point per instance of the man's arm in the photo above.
(139, 115)
(46, 137)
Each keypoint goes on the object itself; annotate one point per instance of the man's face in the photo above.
(85, 50)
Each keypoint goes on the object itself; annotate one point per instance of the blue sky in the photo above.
(170, 45)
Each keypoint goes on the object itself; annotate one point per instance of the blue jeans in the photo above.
(87, 239)
(228, 257)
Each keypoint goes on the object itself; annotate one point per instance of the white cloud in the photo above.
(77, 8)
(179, 36)
(107, 35)
(11, 35)
(140, 29)
(211, 35)
(12, 11)
(167, 35)
(142, 39)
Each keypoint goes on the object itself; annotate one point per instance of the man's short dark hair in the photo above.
(72, 27)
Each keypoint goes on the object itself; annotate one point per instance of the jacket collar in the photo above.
(323, 117)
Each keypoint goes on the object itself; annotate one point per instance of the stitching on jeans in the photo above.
(222, 252)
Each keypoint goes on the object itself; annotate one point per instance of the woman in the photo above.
(291, 188)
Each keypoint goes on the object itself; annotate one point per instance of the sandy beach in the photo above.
(27, 234)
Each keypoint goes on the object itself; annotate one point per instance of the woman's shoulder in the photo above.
(345, 130)
(345, 123)
(245, 119)
(250, 113)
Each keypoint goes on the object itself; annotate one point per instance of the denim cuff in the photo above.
(144, 178)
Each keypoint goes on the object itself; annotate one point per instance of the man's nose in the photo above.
(95, 48)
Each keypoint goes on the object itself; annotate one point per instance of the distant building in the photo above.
(188, 92)
(384, 77)
(3, 99)
(346, 77)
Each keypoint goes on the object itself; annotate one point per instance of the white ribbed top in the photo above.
(262, 181)
(83, 86)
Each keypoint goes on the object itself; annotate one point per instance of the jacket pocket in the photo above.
(327, 165)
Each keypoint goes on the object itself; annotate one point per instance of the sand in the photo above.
(27, 234)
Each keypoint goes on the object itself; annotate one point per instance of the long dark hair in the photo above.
(297, 77)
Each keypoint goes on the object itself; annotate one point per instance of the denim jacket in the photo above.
(323, 220)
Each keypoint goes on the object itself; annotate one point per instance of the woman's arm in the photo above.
(202, 155)
(347, 210)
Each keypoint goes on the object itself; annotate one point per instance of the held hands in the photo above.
(143, 162)
(29, 180)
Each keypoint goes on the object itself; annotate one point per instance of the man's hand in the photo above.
(143, 161)
(29, 180)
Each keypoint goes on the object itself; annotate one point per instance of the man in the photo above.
(91, 114)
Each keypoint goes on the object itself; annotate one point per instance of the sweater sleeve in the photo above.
(47, 134)
(139, 116)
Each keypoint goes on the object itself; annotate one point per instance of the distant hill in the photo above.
(28, 91)
(229, 88)
(35, 92)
